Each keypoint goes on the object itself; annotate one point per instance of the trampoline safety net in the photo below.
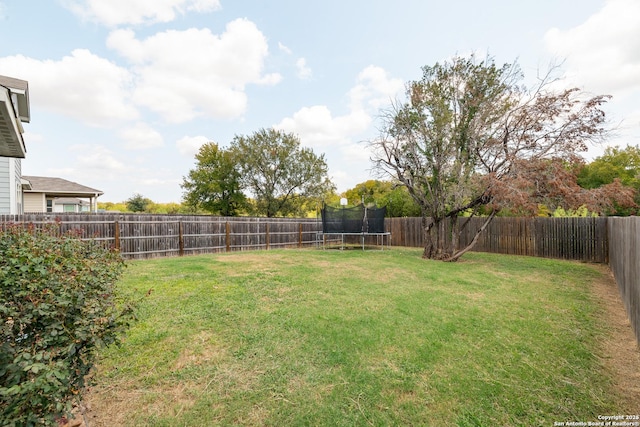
(359, 219)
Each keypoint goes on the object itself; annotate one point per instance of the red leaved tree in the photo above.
(472, 140)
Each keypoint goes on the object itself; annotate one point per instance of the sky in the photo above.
(124, 92)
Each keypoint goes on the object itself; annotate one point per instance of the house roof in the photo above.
(58, 187)
(14, 110)
(11, 142)
(19, 88)
(18, 84)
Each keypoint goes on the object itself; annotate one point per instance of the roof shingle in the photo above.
(45, 184)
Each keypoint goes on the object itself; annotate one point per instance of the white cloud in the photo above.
(304, 72)
(284, 48)
(64, 173)
(200, 6)
(603, 53)
(317, 127)
(189, 146)
(33, 137)
(91, 163)
(92, 158)
(350, 164)
(374, 89)
(271, 79)
(191, 73)
(141, 136)
(332, 136)
(356, 152)
(118, 12)
(82, 85)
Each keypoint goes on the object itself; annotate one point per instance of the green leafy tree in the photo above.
(138, 203)
(368, 192)
(170, 208)
(470, 140)
(399, 203)
(214, 185)
(331, 198)
(113, 207)
(59, 305)
(281, 175)
(623, 164)
(384, 193)
(615, 163)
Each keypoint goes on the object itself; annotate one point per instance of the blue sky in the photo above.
(123, 92)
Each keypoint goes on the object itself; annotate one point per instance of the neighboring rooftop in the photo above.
(58, 187)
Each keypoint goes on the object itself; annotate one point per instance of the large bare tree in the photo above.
(471, 139)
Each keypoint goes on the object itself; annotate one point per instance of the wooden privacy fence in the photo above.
(583, 239)
(147, 236)
(624, 260)
(150, 236)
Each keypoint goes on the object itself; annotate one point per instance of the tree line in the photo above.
(615, 163)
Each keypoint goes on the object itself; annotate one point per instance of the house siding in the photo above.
(34, 202)
(17, 186)
(5, 186)
(10, 186)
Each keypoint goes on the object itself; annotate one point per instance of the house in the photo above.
(14, 110)
(19, 194)
(49, 194)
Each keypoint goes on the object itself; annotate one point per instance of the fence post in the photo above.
(227, 236)
(116, 235)
(300, 235)
(180, 239)
(267, 236)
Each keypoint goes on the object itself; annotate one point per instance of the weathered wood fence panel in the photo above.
(150, 236)
(405, 231)
(583, 239)
(624, 260)
(146, 236)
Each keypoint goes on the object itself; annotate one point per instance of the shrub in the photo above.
(58, 305)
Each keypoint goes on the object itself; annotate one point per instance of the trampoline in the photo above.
(359, 221)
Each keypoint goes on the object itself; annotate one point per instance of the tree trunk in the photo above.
(429, 247)
(456, 255)
(435, 242)
(442, 238)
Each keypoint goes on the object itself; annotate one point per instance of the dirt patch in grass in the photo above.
(112, 406)
(202, 351)
(620, 351)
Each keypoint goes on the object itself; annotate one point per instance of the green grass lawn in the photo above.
(331, 338)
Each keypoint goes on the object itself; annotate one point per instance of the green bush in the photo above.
(58, 305)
